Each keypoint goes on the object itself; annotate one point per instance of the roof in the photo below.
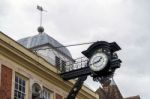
(133, 97)
(42, 39)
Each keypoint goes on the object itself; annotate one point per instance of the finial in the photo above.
(40, 28)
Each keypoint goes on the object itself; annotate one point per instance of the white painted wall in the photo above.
(49, 55)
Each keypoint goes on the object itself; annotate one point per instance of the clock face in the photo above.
(98, 61)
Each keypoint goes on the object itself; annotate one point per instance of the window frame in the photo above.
(26, 87)
(50, 93)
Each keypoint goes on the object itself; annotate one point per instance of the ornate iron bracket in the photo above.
(97, 55)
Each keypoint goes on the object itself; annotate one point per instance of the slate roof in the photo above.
(42, 39)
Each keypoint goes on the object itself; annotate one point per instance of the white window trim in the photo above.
(26, 85)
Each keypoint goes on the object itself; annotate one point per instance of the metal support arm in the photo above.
(77, 86)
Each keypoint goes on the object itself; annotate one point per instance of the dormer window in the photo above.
(60, 64)
(45, 45)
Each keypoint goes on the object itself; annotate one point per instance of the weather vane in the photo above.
(40, 8)
(40, 28)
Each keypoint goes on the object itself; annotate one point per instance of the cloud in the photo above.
(131, 84)
(75, 21)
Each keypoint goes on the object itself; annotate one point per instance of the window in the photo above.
(63, 64)
(46, 94)
(60, 64)
(19, 90)
(57, 62)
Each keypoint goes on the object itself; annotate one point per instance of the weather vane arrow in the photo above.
(40, 8)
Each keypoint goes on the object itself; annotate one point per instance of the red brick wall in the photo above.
(109, 92)
(58, 96)
(6, 82)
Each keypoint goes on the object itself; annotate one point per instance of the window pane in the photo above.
(23, 83)
(15, 93)
(63, 63)
(19, 87)
(23, 89)
(16, 85)
(57, 62)
(19, 80)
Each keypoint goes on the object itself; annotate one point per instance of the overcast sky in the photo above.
(75, 21)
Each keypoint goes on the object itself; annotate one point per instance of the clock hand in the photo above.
(94, 62)
(97, 61)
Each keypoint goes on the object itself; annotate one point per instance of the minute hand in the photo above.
(97, 61)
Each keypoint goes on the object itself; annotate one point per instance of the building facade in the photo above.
(28, 69)
(110, 90)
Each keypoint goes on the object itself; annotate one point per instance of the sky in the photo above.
(126, 22)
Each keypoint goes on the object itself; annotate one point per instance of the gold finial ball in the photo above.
(40, 29)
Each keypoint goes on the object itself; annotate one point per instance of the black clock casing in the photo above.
(105, 48)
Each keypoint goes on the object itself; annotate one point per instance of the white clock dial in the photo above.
(98, 61)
